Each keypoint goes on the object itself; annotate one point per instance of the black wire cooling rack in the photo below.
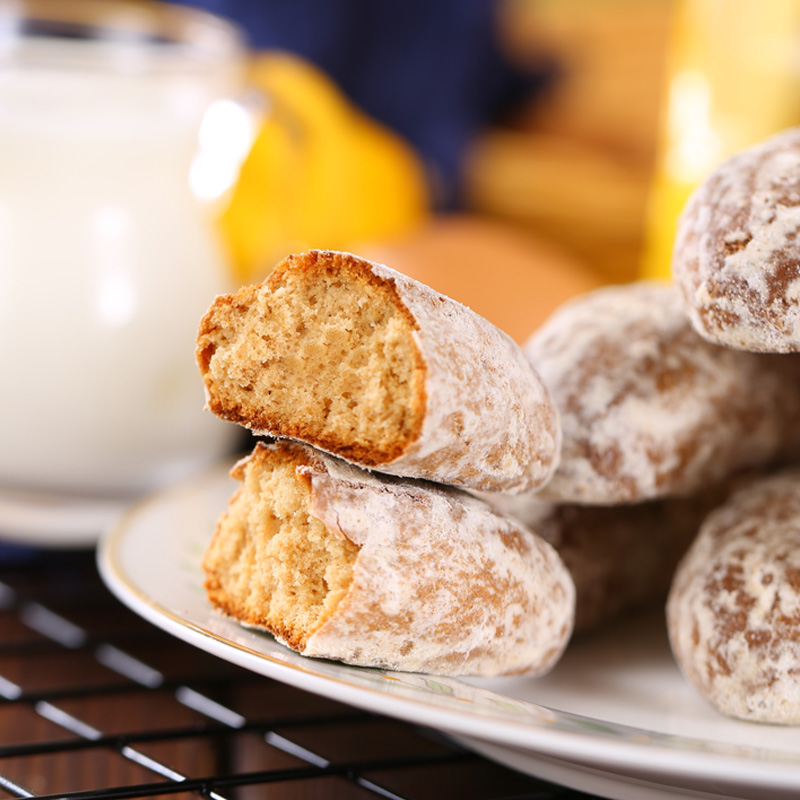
(96, 703)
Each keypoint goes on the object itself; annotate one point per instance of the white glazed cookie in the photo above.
(620, 557)
(737, 252)
(376, 368)
(377, 571)
(734, 608)
(650, 409)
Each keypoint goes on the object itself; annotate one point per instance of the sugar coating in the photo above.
(489, 418)
(650, 409)
(734, 608)
(377, 571)
(620, 557)
(376, 368)
(737, 255)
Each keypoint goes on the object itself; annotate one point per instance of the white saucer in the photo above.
(54, 520)
(614, 717)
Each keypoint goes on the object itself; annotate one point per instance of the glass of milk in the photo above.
(107, 257)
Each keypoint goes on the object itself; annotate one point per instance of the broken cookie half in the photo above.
(365, 363)
(376, 571)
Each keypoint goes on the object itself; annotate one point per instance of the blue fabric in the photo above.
(16, 554)
(430, 69)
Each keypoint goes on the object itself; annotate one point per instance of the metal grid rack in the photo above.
(96, 703)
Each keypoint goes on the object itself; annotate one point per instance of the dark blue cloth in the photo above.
(430, 69)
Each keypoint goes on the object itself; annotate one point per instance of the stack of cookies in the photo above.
(352, 536)
(678, 403)
(734, 608)
(658, 426)
(432, 497)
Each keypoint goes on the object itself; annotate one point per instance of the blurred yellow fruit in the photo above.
(320, 173)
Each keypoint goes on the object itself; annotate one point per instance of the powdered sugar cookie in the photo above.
(650, 409)
(737, 251)
(620, 557)
(369, 365)
(377, 571)
(734, 607)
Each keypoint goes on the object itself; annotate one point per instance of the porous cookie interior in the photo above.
(326, 355)
(271, 563)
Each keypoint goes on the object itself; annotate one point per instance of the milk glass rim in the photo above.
(90, 33)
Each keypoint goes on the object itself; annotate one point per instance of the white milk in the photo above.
(107, 263)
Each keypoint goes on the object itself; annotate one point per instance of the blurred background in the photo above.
(509, 153)
(522, 127)
(558, 135)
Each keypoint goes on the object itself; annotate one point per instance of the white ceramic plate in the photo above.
(614, 717)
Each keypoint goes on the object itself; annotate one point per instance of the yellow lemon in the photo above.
(320, 173)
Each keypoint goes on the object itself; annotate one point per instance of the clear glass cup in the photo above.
(107, 257)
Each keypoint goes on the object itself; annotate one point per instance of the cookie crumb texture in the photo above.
(325, 354)
(373, 367)
(733, 612)
(737, 253)
(271, 563)
(383, 572)
(650, 409)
